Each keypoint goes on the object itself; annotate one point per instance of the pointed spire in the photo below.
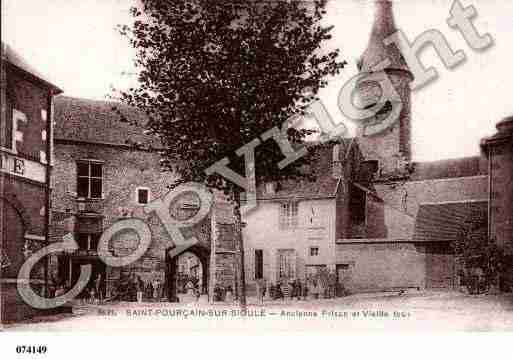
(377, 51)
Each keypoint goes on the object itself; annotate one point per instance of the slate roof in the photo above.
(377, 51)
(451, 168)
(8, 54)
(324, 186)
(95, 121)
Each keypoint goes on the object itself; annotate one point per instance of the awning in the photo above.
(446, 221)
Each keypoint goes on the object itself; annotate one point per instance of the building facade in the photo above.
(292, 232)
(106, 170)
(25, 166)
(385, 221)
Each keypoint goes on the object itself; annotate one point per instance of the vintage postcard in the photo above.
(272, 166)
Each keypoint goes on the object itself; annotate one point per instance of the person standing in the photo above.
(98, 287)
(197, 292)
(304, 289)
(139, 287)
(228, 295)
(299, 291)
(156, 288)
(260, 289)
(315, 289)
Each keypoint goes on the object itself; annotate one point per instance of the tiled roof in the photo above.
(447, 221)
(452, 168)
(96, 121)
(15, 59)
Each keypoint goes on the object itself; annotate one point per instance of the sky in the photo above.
(75, 44)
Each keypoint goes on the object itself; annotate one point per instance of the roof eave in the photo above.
(53, 88)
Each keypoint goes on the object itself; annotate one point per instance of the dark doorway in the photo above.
(259, 264)
(98, 268)
(12, 240)
(173, 271)
(439, 265)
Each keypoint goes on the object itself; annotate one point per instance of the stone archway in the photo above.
(202, 252)
(12, 237)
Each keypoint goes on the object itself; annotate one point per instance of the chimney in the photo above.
(506, 125)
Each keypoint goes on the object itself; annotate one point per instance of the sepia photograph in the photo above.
(259, 166)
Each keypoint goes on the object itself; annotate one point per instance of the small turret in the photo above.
(391, 144)
(377, 51)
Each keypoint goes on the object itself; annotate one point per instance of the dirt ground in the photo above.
(414, 311)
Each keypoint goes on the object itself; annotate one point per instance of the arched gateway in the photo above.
(202, 251)
(215, 250)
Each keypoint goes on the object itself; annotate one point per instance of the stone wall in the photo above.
(123, 172)
(381, 265)
(386, 255)
(392, 207)
(395, 141)
(224, 259)
(500, 150)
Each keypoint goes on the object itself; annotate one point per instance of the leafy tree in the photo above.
(215, 74)
(476, 251)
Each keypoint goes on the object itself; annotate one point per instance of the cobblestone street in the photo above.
(378, 311)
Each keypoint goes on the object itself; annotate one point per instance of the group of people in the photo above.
(93, 291)
(193, 289)
(222, 294)
(311, 288)
(134, 288)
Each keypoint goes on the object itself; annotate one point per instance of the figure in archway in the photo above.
(186, 271)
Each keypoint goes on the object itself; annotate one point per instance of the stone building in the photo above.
(374, 216)
(25, 166)
(107, 171)
(498, 149)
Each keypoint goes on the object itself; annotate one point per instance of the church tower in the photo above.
(386, 136)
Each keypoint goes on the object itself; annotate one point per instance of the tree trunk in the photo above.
(240, 249)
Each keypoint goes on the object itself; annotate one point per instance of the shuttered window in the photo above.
(288, 215)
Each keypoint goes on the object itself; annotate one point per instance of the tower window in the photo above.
(358, 204)
(314, 251)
